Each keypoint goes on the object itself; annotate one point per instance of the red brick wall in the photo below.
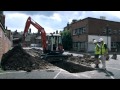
(79, 38)
(5, 43)
(78, 24)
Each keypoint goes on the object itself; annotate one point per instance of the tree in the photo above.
(66, 40)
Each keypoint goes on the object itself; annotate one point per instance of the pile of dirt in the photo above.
(85, 60)
(19, 59)
(34, 52)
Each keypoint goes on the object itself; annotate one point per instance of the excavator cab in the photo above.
(54, 43)
(55, 49)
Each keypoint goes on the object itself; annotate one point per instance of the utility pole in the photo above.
(107, 33)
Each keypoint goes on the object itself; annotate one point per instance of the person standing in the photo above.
(103, 52)
(97, 53)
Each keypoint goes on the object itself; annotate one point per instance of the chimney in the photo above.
(74, 20)
(68, 25)
(56, 31)
(103, 17)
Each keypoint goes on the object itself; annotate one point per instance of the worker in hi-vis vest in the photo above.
(103, 52)
(97, 53)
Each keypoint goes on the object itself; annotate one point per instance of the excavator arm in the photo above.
(49, 55)
(41, 29)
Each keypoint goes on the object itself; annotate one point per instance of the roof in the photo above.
(101, 19)
(48, 34)
(94, 19)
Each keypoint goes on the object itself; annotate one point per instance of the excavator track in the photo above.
(54, 58)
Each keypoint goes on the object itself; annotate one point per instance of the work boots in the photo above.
(97, 66)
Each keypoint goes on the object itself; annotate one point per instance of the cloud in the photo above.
(46, 13)
(53, 20)
(56, 16)
(16, 21)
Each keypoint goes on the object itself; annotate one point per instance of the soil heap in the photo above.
(19, 59)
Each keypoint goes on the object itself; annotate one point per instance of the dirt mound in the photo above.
(19, 59)
(86, 60)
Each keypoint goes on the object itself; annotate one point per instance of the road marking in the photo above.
(109, 75)
(57, 74)
(113, 68)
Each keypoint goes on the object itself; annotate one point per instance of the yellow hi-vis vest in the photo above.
(103, 50)
(97, 49)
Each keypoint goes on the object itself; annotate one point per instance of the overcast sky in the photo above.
(52, 20)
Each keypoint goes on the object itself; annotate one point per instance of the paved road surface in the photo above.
(112, 72)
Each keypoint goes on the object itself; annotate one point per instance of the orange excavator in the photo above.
(51, 44)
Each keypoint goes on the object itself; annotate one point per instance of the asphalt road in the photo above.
(112, 72)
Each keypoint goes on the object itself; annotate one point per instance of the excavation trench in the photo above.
(19, 59)
(72, 67)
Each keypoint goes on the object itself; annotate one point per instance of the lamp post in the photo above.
(107, 30)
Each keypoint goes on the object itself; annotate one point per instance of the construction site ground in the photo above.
(54, 72)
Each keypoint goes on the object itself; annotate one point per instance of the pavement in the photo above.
(112, 72)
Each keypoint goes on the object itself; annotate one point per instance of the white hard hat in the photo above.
(95, 41)
(101, 39)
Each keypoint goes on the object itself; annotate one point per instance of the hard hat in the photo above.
(95, 41)
(101, 39)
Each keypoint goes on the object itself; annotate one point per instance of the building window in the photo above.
(104, 31)
(82, 45)
(75, 45)
(73, 32)
(77, 30)
(80, 32)
(114, 31)
(84, 29)
(119, 31)
(109, 31)
(113, 45)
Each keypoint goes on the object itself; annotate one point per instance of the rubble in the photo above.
(85, 60)
(34, 52)
(19, 59)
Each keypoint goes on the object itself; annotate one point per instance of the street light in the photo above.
(107, 30)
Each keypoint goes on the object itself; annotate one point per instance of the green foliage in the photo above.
(66, 40)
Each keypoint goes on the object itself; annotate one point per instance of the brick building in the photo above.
(5, 43)
(31, 38)
(81, 30)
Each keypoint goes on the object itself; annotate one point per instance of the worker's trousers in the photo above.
(103, 60)
(97, 59)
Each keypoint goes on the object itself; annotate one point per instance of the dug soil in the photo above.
(19, 59)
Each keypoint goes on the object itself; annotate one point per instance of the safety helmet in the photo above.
(95, 41)
(101, 39)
